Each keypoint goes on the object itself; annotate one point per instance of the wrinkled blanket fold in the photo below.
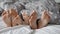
(25, 29)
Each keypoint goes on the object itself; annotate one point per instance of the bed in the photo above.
(25, 29)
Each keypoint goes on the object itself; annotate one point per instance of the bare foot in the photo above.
(11, 18)
(32, 20)
(26, 18)
(13, 13)
(45, 18)
(17, 21)
(6, 18)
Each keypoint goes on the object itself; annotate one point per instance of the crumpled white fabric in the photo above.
(16, 30)
(52, 29)
(23, 30)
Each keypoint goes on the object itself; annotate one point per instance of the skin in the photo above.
(26, 18)
(45, 18)
(13, 13)
(11, 18)
(17, 21)
(6, 18)
(32, 20)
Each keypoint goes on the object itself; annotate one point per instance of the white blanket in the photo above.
(16, 30)
(53, 29)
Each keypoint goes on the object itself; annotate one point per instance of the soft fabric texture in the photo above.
(52, 29)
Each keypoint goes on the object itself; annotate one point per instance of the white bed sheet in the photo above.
(54, 29)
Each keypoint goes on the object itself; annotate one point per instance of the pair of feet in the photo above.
(43, 21)
(11, 18)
